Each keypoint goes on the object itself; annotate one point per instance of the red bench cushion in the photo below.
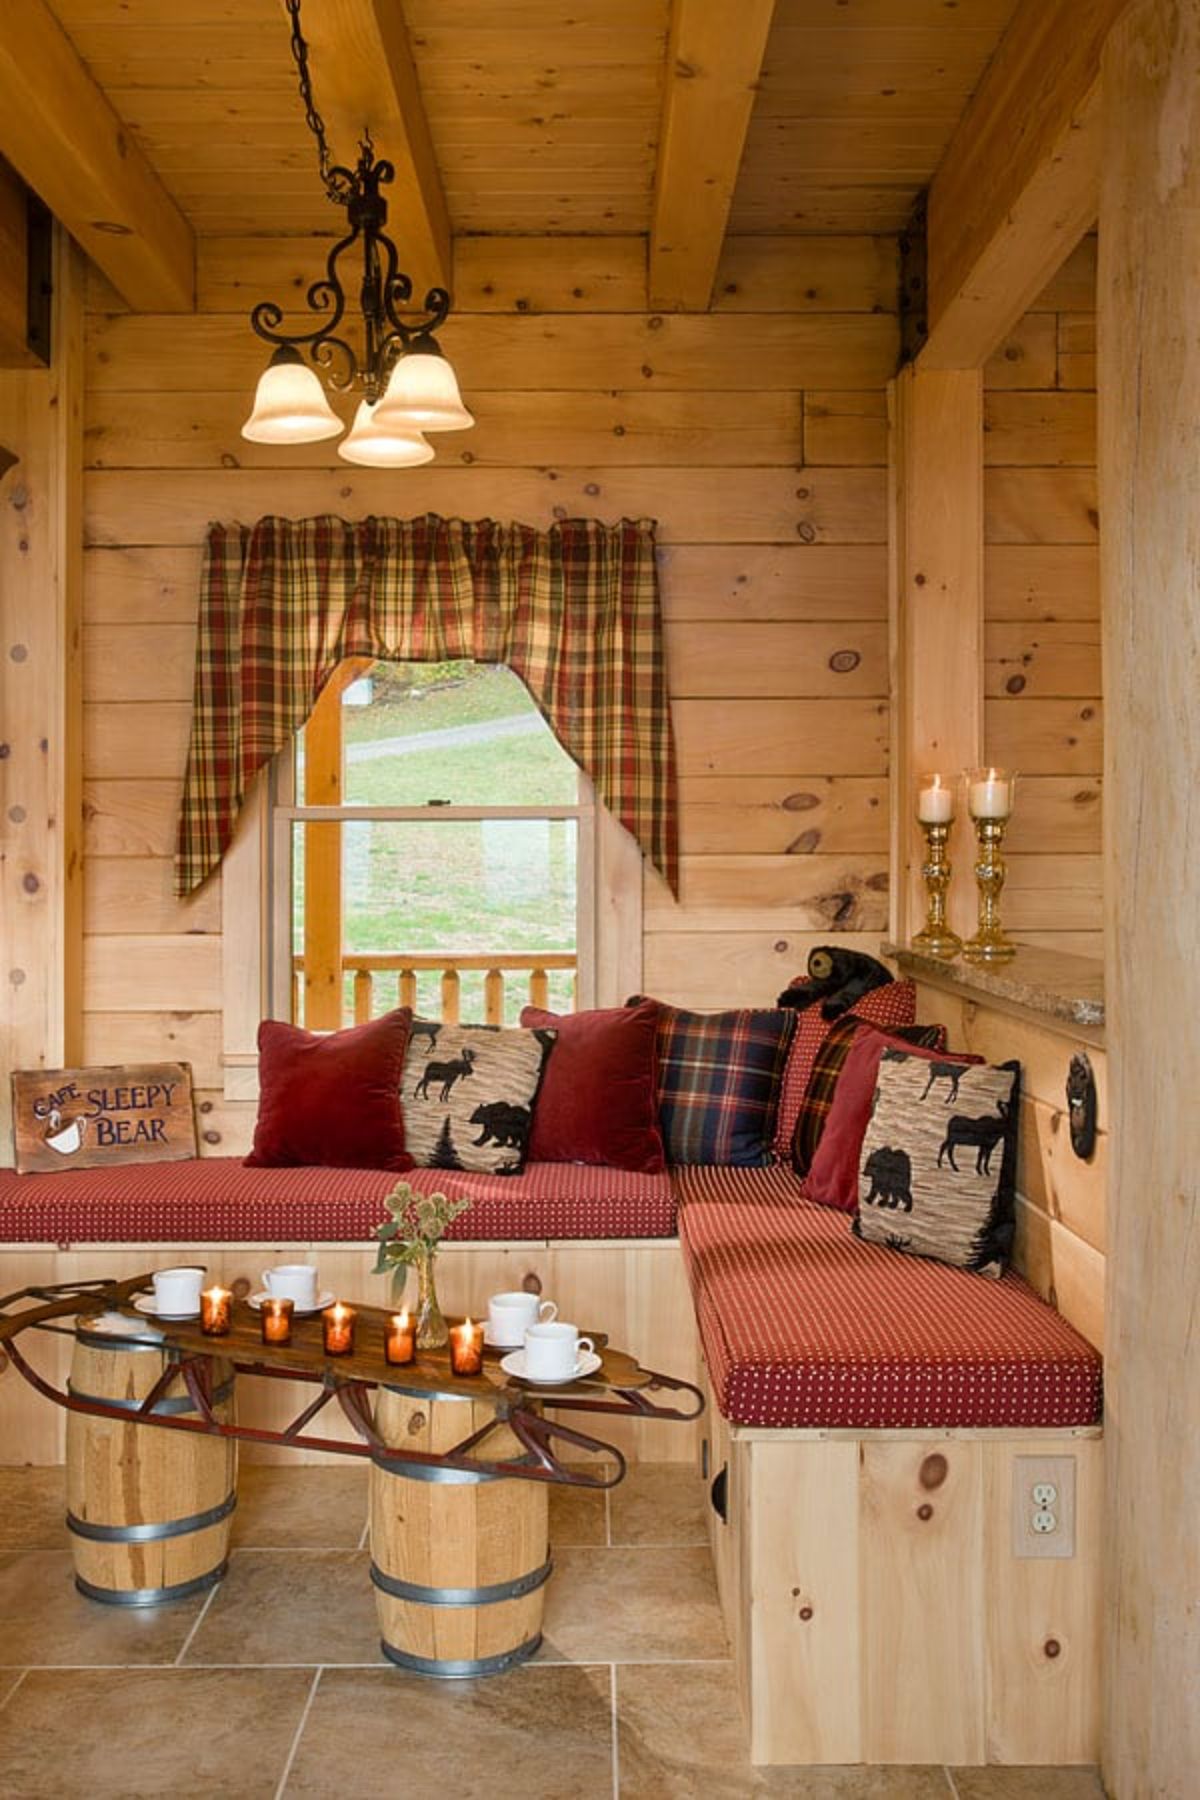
(218, 1200)
(803, 1325)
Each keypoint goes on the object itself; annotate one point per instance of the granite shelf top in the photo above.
(1045, 981)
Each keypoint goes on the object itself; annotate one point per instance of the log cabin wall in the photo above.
(1043, 699)
(755, 434)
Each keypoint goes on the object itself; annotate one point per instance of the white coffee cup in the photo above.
(511, 1315)
(177, 1290)
(552, 1351)
(296, 1282)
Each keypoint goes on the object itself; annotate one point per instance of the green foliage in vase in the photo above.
(414, 1228)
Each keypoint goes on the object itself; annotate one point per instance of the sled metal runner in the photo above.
(620, 1387)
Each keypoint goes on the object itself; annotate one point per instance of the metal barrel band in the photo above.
(177, 1403)
(151, 1596)
(476, 1596)
(463, 1669)
(416, 1393)
(112, 1340)
(439, 1471)
(150, 1534)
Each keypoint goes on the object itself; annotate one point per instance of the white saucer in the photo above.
(300, 1312)
(144, 1303)
(585, 1364)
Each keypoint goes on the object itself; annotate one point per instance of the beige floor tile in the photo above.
(44, 1619)
(538, 1733)
(143, 1734)
(680, 1734)
(1027, 1784)
(659, 1503)
(578, 1516)
(632, 1606)
(301, 1509)
(316, 1606)
(33, 1504)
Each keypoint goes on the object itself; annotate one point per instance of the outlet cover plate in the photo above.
(1028, 1472)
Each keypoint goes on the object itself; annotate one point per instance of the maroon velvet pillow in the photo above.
(598, 1101)
(332, 1101)
(832, 1179)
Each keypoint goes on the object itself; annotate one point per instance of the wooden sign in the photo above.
(90, 1118)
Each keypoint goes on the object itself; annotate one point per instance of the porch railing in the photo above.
(534, 966)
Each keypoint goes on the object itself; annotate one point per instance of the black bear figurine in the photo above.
(837, 978)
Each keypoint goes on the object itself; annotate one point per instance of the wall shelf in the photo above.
(1047, 982)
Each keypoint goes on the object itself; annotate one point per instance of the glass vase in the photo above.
(432, 1330)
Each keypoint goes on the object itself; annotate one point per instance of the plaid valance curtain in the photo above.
(573, 610)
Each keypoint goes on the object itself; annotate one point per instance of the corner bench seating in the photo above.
(875, 1420)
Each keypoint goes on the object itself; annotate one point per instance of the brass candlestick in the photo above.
(990, 944)
(936, 938)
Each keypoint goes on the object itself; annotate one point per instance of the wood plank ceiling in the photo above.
(545, 118)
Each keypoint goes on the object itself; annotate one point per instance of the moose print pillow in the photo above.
(468, 1094)
(938, 1161)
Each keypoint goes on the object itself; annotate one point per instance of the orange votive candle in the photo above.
(398, 1338)
(466, 1348)
(216, 1311)
(276, 1318)
(338, 1322)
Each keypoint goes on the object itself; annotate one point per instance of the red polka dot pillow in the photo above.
(887, 1007)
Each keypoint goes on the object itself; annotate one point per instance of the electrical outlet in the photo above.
(1043, 1500)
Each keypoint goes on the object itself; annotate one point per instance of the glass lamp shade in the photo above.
(290, 405)
(422, 395)
(377, 445)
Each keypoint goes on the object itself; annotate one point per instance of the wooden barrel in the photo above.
(149, 1510)
(458, 1558)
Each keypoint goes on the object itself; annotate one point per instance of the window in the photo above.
(430, 830)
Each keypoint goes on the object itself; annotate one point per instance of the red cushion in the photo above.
(218, 1200)
(832, 1179)
(887, 1007)
(332, 1100)
(804, 1326)
(598, 1102)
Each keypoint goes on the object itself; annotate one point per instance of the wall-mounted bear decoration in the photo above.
(1081, 1106)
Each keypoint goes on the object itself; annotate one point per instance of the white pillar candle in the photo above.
(935, 803)
(991, 797)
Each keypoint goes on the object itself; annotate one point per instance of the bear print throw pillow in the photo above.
(468, 1095)
(938, 1164)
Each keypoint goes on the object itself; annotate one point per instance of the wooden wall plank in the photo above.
(807, 274)
(131, 818)
(774, 737)
(139, 662)
(131, 586)
(694, 506)
(782, 581)
(1049, 428)
(1041, 506)
(116, 739)
(1027, 356)
(1041, 581)
(1063, 1269)
(1042, 660)
(1053, 893)
(147, 973)
(714, 660)
(154, 354)
(127, 1037)
(845, 428)
(782, 815)
(1062, 811)
(1045, 737)
(701, 969)
(1056, 1181)
(138, 890)
(844, 893)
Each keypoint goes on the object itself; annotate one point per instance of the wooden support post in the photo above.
(937, 618)
(323, 860)
(40, 699)
(1149, 382)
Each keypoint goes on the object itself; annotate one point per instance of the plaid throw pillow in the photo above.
(719, 1077)
(886, 1007)
(827, 1068)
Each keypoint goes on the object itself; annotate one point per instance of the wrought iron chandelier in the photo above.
(408, 386)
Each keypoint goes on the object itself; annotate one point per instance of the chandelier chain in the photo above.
(312, 118)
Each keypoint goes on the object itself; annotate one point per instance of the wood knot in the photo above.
(842, 661)
(532, 1284)
(925, 1511)
(806, 1613)
(933, 1471)
(416, 1424)
(1052, 1648)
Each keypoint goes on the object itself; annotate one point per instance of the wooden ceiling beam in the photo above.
(363, 76)
(714, 59)
(1020, 181)
(60, 132)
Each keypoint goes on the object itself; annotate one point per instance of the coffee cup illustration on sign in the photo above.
(68, 1138)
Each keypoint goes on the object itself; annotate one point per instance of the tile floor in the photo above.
(631, 1694)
